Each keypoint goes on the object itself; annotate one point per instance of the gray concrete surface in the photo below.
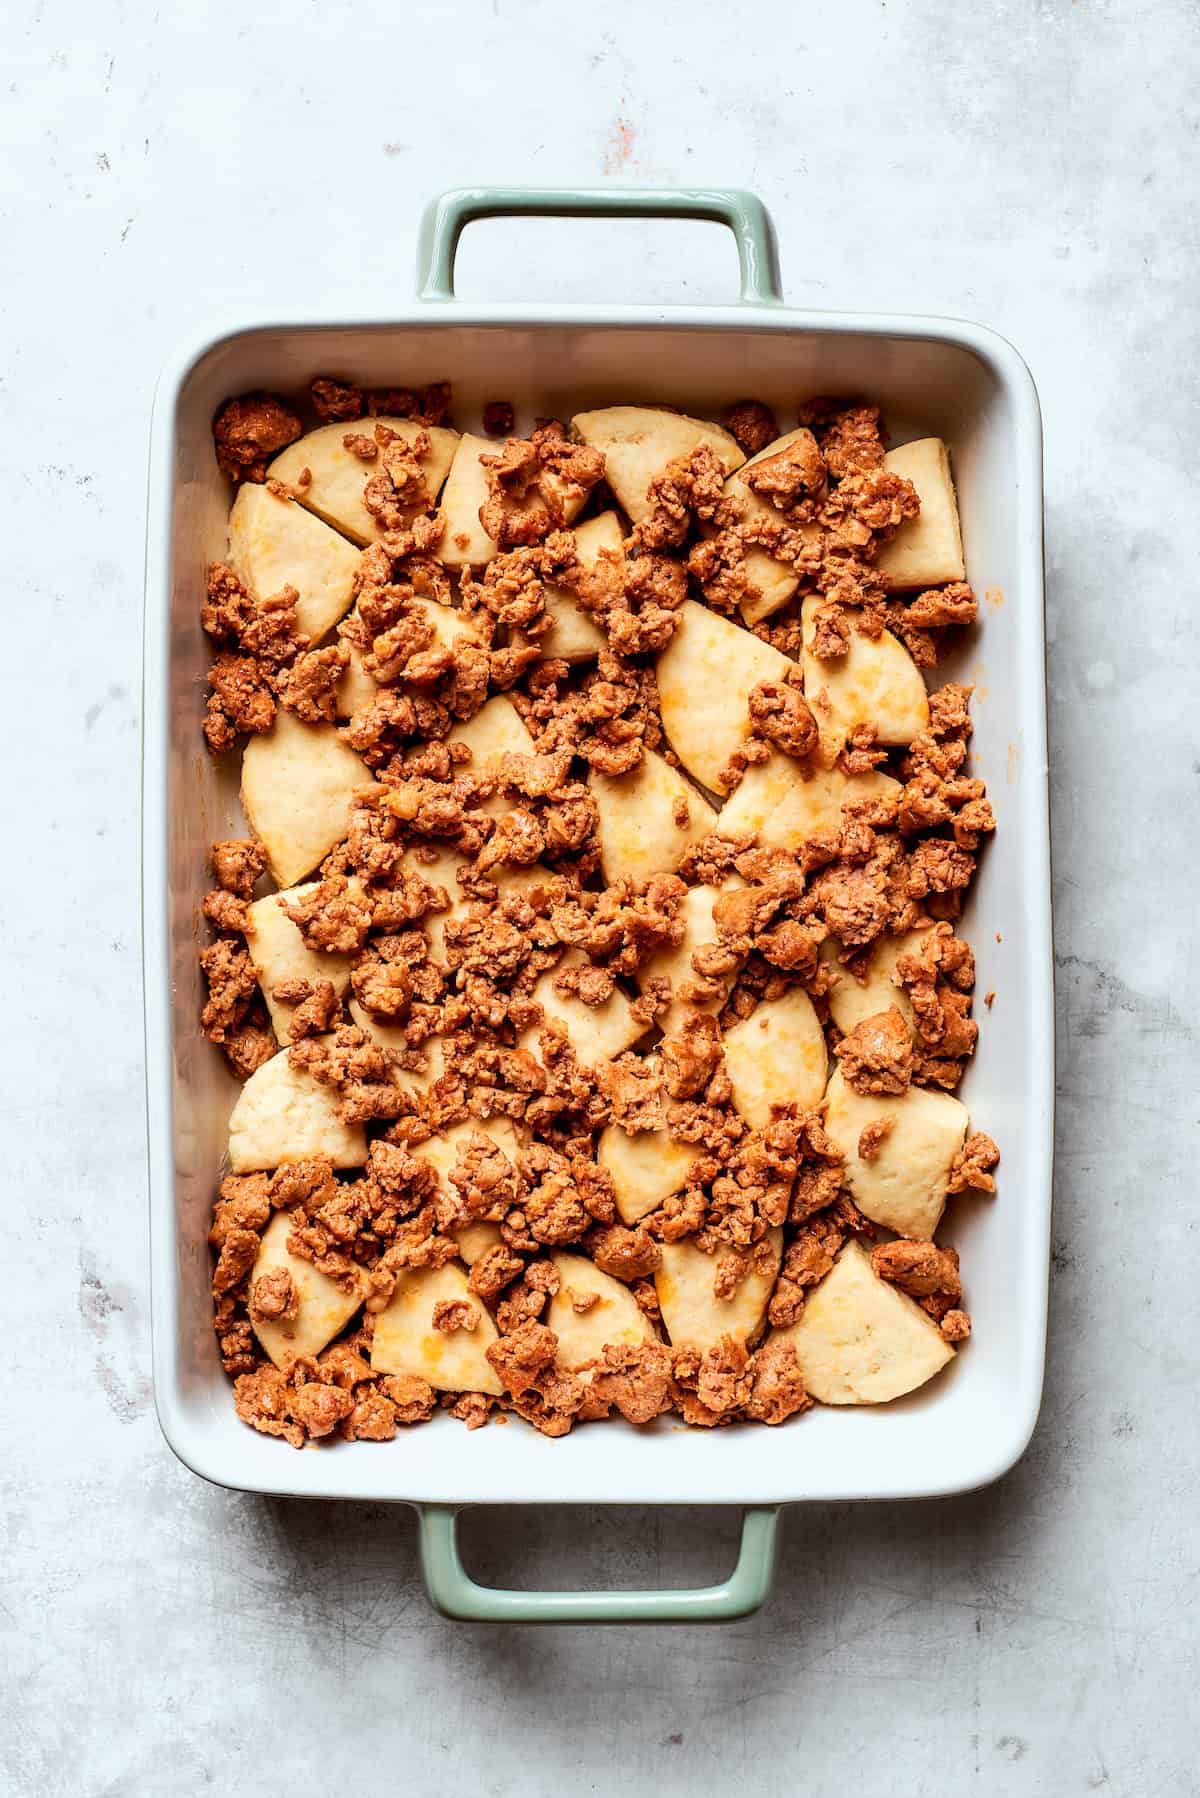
(1033, 165)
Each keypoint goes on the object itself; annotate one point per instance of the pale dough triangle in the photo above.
(615, 1317)
(704, 679)
(282, 1114)
(691, 1311)
(926, 550)
(851, 1000)
(639, 441)
(675, 964)
(903, 1186)
(465, 543)
(325, 1306)
(335, 491)
(647, 1166)
(278, 952)
(649, 819)
(861, 1341)
(299, 782)
(406, 1341)
(274, 543)
(875, 682)
(776, 1056)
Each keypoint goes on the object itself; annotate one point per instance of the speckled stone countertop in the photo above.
(1032, 165)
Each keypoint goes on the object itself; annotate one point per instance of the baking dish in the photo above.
(932, 377)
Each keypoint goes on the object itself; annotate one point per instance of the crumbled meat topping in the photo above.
(249, 431)
(877, 1055)
(752, 425)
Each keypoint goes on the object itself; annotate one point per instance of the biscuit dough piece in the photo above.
(391, 1036)
(475, 1240)
(875, 682)
(278, 952)
(903, 1186)
(282, 1114)
(465, 543)
(675, 964)
(647, 1166)
(927, 549)
(776, 581)
(776, 1056)
(576, 636)
(851, 1000)
(406, 1341)
(639, 441)
(859, 1340)
(692, 1312)
(325, 1307)
(496, 729)
(615, 1316)
(442, 871)
(441, 1151)
(649, 818)
(299, 782)
(596, 1032)
(274, 543)
(704, 679)
(785, 804)
(335, 491)
(356, 688)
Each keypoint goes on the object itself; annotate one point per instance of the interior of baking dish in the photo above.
(962, 385)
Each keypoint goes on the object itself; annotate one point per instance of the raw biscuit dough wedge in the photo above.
(692, 1312)
(776, 581)
(596, 1032)
(325, 1307)
(851, 1000)
(647, 1166)
(675, 964)
(475, 1240)
(776, 1056)
(406, 1341)
(299, 782)
(575, 635)
(274, 543)
(338, 476)
(442, 871)
(357, 688)
(391, 1036)
(283, 1114)
(615, 1317)
(785, 804)
(861, 1341)
(875, 682)
(704, 679)
(465, 543)
(278, 952)
(441, 1151)
(639, 441)
(903, 1186)
(649, 819)
(496, 729)
(927, 549)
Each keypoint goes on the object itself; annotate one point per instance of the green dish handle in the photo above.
(744, 214)
(457, 1595)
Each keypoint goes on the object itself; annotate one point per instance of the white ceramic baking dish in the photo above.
(936, 376)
